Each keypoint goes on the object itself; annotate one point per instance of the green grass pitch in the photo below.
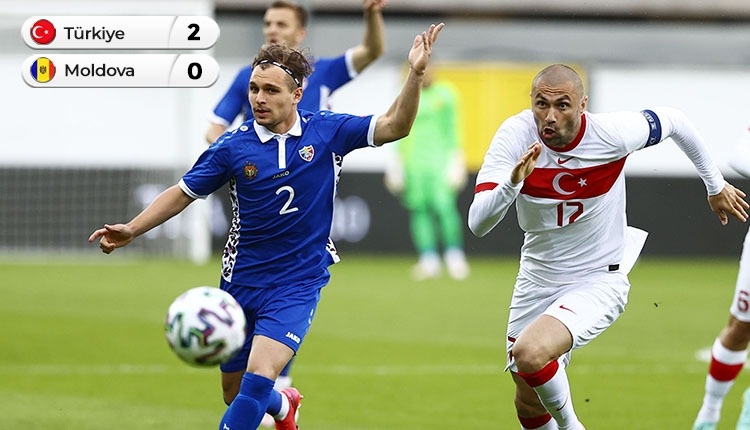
(82, 348)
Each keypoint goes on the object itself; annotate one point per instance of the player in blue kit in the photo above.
(282, 168)
(285, 23)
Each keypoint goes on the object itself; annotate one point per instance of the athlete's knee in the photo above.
(531, 356)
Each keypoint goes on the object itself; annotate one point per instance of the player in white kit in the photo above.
(563, 168)
(729, 350)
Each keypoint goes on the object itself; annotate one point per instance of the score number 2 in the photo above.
(194, 35)
(193, 32)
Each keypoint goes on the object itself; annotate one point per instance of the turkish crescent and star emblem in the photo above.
(307, 153)
(558, 188)
(43, 32)
(580, 183)
(250, 170)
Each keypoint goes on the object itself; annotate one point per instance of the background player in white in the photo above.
(563, 167)
(729, 350)
(282, 168)
(285, 22)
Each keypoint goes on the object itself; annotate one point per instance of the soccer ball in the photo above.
(205, 326)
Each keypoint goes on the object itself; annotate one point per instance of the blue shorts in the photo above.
(284, 314)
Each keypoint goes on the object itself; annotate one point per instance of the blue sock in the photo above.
(274, 403)
(247, 409)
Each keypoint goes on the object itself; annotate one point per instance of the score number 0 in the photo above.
(194, 70)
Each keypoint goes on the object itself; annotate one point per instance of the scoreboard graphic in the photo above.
(180, 36)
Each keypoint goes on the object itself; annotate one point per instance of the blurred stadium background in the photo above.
(80, 337)
(75, 158)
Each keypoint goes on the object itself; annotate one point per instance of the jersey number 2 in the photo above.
(574, 213)
(287, 208)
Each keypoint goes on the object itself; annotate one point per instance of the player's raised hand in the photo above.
(374, 5)
(112, 237)
(526, 163)
(729, 201)
(421, 49)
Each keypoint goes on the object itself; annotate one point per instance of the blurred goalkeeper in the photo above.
(563, 168)
(729, 350)
(427, 173)
(282, 168)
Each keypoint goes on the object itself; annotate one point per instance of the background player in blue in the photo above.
(282, 168)
(285, 23)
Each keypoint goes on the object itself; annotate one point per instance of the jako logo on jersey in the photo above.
(250, 170)
(293, 337)
(307, 153)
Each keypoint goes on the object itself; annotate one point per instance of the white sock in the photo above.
(717, 389)
(556, 398)
(282, 382)
(284, 408)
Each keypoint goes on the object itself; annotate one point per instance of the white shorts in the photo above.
(740, 307)
(586, 308)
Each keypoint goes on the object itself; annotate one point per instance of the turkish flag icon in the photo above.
(43, 32)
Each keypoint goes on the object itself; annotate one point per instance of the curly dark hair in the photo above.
(292, 61)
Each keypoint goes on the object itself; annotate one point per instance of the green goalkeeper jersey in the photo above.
(433, 140)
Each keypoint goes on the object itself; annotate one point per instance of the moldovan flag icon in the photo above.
(43, 70)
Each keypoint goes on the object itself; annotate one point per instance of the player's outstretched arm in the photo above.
(730, 201)
(397, 121)
(373, 44)
(166, 205)
(723, 198)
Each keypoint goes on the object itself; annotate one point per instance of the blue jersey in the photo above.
(328, 75)
(282, 189)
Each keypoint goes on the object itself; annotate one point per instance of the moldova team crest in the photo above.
(250, 170)
(307, 153)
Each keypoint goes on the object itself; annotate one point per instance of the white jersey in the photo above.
(572, 206)
(740, 307)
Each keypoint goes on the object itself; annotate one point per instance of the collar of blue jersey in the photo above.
(265, 134)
